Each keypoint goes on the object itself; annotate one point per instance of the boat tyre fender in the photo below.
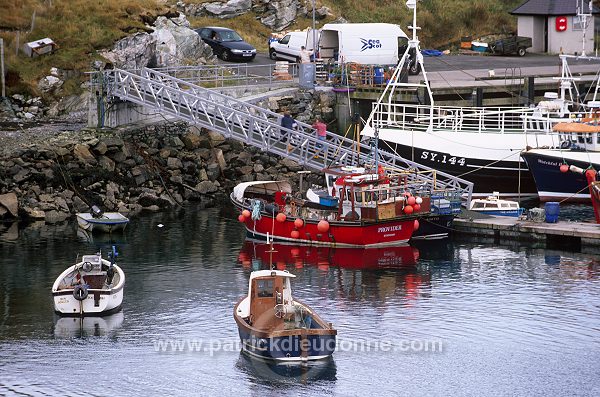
(80, 292)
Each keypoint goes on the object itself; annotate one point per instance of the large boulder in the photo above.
(172, 43)
(133, 52)
(10, 202)
(280, 14)
(177, 44)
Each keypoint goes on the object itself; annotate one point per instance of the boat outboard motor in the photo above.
(110, 273)
(96, 212)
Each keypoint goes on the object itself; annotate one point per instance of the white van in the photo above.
(288, 47)
(364, 43)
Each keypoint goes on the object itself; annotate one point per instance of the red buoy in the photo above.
(281, 217)
(295, 251)
(246, 213)
(416, 224)
(411, 200)
(564, 168)
(241, 218)
(298, 223)
(408, 209)
(295, 234)
(323, 226)
(417, 207)
(407, 194)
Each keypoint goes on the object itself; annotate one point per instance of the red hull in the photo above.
(340, 234)
(350, 258)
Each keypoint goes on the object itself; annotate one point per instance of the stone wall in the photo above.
(129, 170)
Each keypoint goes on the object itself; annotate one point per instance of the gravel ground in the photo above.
(15, 135)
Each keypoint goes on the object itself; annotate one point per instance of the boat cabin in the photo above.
(269, 303)
(579, 136)
(366, 195)
(494, 205)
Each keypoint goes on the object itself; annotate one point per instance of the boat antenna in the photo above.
(584, 20)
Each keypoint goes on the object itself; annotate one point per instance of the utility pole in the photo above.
(314, 32)
(2, 67)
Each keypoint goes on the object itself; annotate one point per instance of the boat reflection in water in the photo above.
(259, 254)
(282, 373)
(80, 327)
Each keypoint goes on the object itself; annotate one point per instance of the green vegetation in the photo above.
(83, 27)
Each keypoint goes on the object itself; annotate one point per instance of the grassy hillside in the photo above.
(82, 27)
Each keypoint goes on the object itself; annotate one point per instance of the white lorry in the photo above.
(364, 43)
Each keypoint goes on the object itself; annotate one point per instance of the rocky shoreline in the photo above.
(130, 170)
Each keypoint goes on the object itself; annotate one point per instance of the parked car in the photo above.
(288, 47)
(227, 44)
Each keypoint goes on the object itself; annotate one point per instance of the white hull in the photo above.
(67, 304)
(108, 222)
(487, 147)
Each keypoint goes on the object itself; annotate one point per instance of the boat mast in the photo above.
(402, 67)
(583, 20)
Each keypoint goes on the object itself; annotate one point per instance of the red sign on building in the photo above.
(561, 24)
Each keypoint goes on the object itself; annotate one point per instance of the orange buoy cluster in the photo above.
(413, 203)
(244, 215)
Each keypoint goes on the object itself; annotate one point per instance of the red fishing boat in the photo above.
(282, 255)
(386, 216)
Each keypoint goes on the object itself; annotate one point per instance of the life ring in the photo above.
(80, 292)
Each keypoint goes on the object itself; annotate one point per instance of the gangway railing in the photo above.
(259, 127)
(232, 74)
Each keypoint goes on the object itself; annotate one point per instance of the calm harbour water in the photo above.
(510, 320)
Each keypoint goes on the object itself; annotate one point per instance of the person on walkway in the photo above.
(305, 55)
(288, 123)
(321, 129)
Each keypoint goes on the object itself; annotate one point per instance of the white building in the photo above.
(555, 25)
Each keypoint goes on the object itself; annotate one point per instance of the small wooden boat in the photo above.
(97, 220)
(272, 325)
(93, 287)
(494, 205)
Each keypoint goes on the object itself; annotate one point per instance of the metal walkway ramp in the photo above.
(257, 126)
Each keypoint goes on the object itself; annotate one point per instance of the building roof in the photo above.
(552, 7)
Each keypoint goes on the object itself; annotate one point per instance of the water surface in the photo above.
(508, 320)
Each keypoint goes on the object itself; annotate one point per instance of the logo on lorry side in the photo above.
(367, 44)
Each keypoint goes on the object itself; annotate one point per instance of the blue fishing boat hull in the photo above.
(554, 185)
(288, 348)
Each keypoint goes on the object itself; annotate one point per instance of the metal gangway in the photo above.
(259, 127)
